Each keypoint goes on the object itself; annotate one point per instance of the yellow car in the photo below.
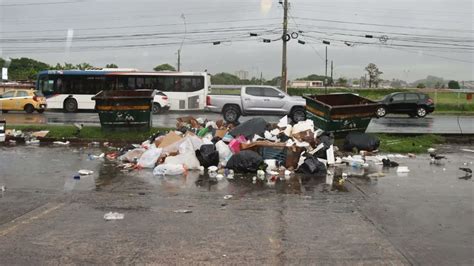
(22, 99)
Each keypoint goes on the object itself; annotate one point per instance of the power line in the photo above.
(383, 25)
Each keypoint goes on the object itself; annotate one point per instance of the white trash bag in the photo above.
(169, 169)
(150, 157)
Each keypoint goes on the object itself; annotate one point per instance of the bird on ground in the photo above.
(388, 163)
(467, 170)
(436, 159)
(468, 173)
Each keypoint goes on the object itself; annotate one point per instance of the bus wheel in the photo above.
(70, 105)
(29, 108)
(156, 109)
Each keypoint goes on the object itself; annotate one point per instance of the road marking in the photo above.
(27, 219)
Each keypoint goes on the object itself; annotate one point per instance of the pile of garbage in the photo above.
(271, 151)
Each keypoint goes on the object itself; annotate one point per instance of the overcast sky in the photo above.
(411, 39)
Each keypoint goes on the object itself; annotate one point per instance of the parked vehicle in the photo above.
(257, 100)
(411, 103)
(160, 102)
(22, 99)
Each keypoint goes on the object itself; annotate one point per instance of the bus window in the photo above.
(185, 84)
(131, 83)
(109, 83)
(140, 83)
(168, 84)
(150, 83)
(122, 83)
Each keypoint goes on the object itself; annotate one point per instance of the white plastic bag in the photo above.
(149, 157)
(130, 155)
(169, 169)
(189, 159)
(224, 151)
(303, 126)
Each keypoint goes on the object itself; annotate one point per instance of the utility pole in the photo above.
(283, 38)
(261, 78)
(326, 73)
(179, 60)
(332, 80)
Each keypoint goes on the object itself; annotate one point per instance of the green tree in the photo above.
(341, 82)
(454, 85)
(374, 74)
(84, 66)
(317, 77)
(276, 81)
(226, 79)
(164, 67)
(111, 66)
(66, 66)
(420, 86)
(24, 68)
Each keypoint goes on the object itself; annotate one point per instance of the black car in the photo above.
(410, 103)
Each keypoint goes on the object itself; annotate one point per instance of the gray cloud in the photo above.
(38, 29)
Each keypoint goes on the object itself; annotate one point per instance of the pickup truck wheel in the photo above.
(231, 114)
(298, 114)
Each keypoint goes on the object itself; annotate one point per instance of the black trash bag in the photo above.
(327, 141)
(361, 141)
(312, 166)
(283, 137)
(245, 162)
(208, 155)
(249, 128)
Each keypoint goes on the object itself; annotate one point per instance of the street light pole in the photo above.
(284, 40)
(182, 42)
(326, 73)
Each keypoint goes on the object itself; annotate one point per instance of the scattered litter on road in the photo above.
(226, 197)
(110, 216)
(61, 143)
(183, 211)
(40, 134)
(32, 142)
(467, 150)
(403, 169)
(85, 172)
(77, 177)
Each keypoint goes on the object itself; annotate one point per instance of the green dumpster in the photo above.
(124, 110)
(340, 113)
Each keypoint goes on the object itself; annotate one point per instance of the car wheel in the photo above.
(231, 114)
(70, 105)
(29, 108)
(421, 112)
(40, 111)
(298, 114)
(156, 109)
(381, 111)
(4, 111)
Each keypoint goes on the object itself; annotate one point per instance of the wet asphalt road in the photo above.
(46, 217)
(390, 124)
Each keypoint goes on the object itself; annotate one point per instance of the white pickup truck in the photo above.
(256, 100)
